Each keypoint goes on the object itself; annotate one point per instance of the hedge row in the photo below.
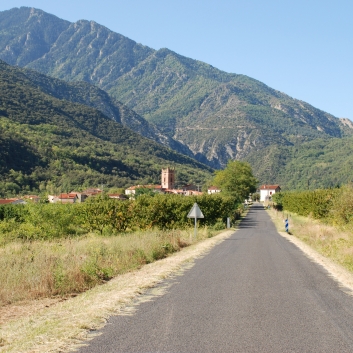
(317, 203)
(99, 214)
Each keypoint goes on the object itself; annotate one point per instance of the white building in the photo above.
(266, 191)
(132, 189)
(213, 190)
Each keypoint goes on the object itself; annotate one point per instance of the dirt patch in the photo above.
(23, 309)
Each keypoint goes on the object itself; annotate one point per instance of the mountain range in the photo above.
(50, 141)
(185, 104)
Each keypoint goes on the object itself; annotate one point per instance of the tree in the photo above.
(236, 180)
(144, 191)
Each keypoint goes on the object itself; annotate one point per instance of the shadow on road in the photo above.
(249, 221)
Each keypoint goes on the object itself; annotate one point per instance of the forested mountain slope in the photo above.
(50, 143)
(90, 95)
(217, 115)
(321, 163)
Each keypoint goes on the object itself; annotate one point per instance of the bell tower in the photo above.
(168, 178)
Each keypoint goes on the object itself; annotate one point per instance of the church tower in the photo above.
(168, 178)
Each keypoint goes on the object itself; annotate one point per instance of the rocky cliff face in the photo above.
(190, 106)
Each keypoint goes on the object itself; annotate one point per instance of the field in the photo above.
(58, 323)
(65, 267)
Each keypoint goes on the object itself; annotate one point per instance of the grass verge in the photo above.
(42, 269)
(332, 242)
(62, 326)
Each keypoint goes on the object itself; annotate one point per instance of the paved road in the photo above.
(254, 292)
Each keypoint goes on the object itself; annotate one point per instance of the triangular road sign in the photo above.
(195, 212)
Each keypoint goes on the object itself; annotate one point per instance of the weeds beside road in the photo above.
(42, 269)
(332, 242)
(53, 327)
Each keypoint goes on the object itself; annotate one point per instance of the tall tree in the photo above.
(236, 180)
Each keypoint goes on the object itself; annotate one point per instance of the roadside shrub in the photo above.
(316, 203)
(170, 211)
(219, 225)
(109, 216)
(342, 206)
(334, 206)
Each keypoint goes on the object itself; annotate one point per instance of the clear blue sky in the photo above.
(303, 48)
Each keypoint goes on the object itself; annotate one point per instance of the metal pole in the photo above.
(195, 227)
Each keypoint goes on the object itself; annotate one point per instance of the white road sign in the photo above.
(195, 212)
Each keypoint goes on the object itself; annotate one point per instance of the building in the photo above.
(190, 187)
(32, 198)
(168, 178)
(167, 186)
(72, 197)
(118, 196)
(266, 192)
(92, 191)
(63, 198)
(213, 190)
(12, 202)
(132, 189)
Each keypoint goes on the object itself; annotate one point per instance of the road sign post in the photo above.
(196, 213)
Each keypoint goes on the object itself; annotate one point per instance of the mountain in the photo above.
(87, 94)
(49, 142)
(215, 115)
(321, 163)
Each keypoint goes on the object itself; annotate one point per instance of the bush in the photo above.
(108, 216)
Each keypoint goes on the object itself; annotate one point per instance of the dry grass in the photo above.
(332, 242)
(42, 269)
(54, 327)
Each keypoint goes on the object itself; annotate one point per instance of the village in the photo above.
(167, 186)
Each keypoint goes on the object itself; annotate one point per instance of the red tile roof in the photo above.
(269, 187)
(67, 196)
(4, 202)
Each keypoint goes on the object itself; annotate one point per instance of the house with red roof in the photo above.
(12, 202)
(266, 191)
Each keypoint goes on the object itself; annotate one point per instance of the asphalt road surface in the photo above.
(254, 292)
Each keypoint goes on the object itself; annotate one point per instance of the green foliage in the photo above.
(322, 163)
(255, 196)
(236, 180)
(53, 145)
(317, 203)
(342, 206)
(211, 111)
(15, 212)
(144, 191)
(170, 211)
(110, 216)
(101, 212)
